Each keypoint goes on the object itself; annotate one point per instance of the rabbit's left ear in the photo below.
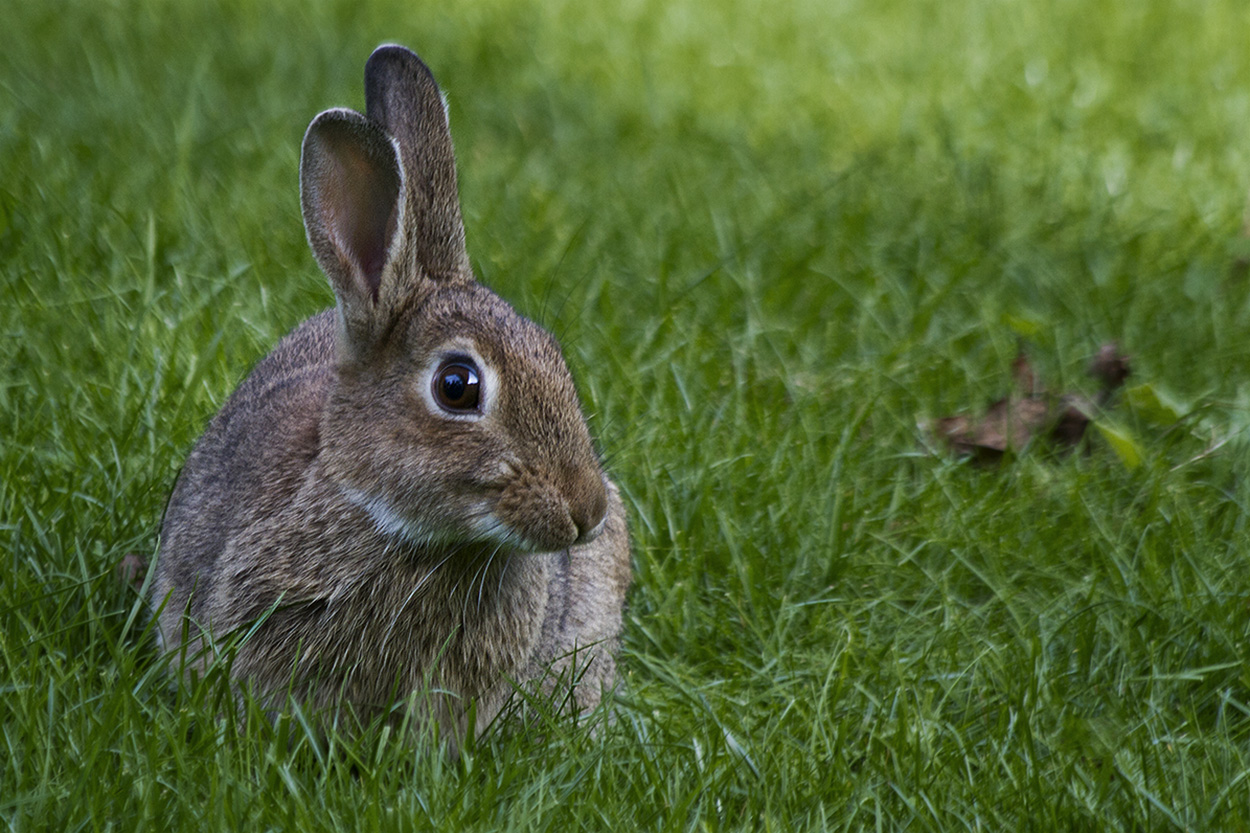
(402, 96)
(350, 186)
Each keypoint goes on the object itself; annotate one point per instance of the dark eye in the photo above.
(456, 386)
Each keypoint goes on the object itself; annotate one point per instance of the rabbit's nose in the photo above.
(588, 506)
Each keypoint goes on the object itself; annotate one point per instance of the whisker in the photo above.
(424, 580)
(482, 585)
(480, 578)
(507, 562)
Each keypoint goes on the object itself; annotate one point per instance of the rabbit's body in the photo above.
(383, 537)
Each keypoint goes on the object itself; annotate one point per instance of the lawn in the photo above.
(776, 240)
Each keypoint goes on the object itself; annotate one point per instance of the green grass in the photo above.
(772, 238)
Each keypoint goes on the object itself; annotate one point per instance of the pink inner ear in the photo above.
(360, 201)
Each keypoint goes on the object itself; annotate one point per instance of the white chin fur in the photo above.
(485, 526)
(490, 528)
(386, 519)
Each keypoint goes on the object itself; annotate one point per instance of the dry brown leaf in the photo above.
(1012, 422)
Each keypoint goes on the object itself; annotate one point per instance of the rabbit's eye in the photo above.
(456, 386)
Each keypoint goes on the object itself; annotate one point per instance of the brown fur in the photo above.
(375, 545)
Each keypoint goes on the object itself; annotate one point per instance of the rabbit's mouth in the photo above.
(544, 531)
(549, 526)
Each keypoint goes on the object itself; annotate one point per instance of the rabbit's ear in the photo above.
(402, 96)
(350, 186)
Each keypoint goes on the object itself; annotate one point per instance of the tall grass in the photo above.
(773, 238)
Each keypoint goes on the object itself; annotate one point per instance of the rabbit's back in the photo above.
(249, 463)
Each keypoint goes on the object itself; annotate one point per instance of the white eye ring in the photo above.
(463, 354)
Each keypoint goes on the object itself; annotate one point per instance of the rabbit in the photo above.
(403, 497)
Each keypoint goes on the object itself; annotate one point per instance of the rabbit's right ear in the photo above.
(402, 96)
(350, 186)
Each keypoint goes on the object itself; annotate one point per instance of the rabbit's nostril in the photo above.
(590, 515)
(587, 534)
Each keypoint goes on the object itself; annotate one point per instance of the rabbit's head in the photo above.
(453, 420)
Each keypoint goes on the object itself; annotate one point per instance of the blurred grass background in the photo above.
(772, 238)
